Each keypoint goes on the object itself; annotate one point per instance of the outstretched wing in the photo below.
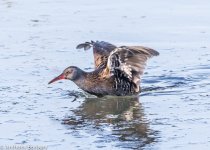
(127, 64)
(101, 51)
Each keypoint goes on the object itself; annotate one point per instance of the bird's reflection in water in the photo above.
(123, 116)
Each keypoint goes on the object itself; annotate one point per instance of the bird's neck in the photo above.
(85, 82)
(81, 79)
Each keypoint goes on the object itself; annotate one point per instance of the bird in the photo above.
(118, 69)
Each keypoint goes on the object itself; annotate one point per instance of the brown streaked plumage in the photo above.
(118, 70)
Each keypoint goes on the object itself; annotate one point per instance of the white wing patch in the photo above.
(126, 69)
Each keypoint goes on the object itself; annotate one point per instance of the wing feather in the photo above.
(101, 51)
(130, 61)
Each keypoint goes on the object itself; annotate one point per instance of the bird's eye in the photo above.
(68, 72)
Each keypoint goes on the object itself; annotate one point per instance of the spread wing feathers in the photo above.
(86, 45)
(101, 51)
(130, 61)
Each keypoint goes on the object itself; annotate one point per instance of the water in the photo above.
(37, 41)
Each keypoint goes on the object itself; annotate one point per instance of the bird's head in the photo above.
(70, 73)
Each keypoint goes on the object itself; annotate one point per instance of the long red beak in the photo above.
(60, 77)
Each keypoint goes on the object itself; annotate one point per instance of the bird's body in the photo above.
(94, 83)
(117, 69)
